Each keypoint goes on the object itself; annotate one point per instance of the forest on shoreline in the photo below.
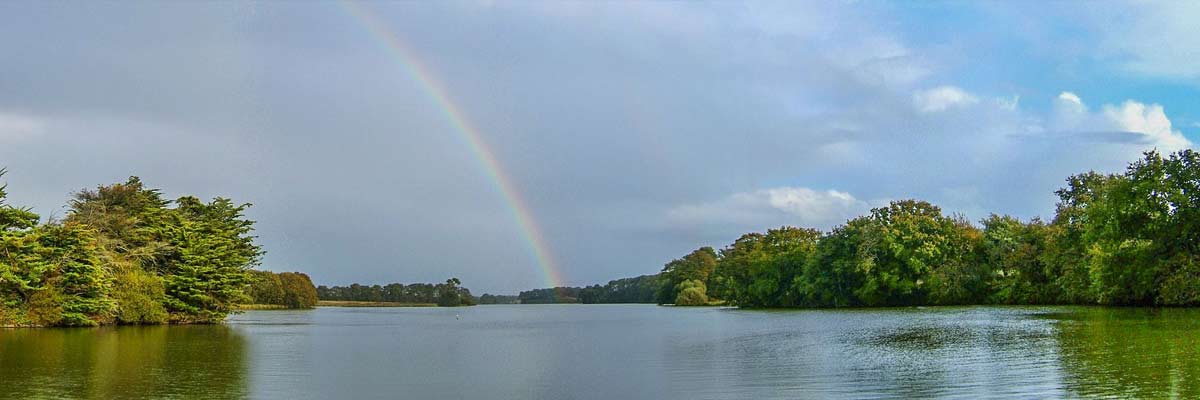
(641, 289)
(447, 294)
(1130, 239)
(125, 255)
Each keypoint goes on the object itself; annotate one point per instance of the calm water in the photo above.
(619, 352)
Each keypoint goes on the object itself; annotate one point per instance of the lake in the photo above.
(619, 352)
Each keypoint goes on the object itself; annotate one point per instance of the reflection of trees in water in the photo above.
(126, 362)
(1132, 353)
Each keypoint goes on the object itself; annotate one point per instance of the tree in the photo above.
(198, 252)
(691, 293)
(451, 295)
(83, 284)
(265, 287)
(772, 272)
(50, 274)
(697, 265)
(1136, 232)
(298, 290)
(1016, 253)
(212, 251)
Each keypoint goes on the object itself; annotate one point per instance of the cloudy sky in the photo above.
(634, 132)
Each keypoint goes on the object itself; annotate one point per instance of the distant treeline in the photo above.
(1121, 239)
(642, 289)
(498, 299)
(446, 294)
(288, 289)
(125, 255)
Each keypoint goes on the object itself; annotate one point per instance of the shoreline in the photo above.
(346, 303)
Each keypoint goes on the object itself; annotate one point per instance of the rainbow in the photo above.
(411, 65)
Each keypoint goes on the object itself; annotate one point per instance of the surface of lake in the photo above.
(619, 352)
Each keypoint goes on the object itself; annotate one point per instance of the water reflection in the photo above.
(1131, 353)
(123, 362)
(621, 351)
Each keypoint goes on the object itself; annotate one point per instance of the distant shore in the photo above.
(339, 303)
(262, 307)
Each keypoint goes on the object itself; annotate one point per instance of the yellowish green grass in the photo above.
(262, 307)
(331, 303)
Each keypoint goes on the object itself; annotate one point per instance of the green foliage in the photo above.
(697, 265)
(761, 270)
(290, 289)
(498, 299)
(139, 294)
(1137, 232)
(298, 290)
(83, 286)
(1016, 253)
(211, 252)
(50, 274)
(641, 289)
(691, 293)
(450, 293)
(1128, 239)
(265, 288)
(555, 295)
(124, 255)
(907, 253)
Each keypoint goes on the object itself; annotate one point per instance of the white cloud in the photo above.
(1148, 122)
(1070, 98)
(17, 126)
(942, 98)
(773, 207)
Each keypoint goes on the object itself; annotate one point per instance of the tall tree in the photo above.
(697, 265)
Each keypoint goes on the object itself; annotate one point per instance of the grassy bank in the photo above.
(331, 303)
(262, 307)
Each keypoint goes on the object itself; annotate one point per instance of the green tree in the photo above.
(1016, 252)
(697, 265)
(773, 272)
(731, 276)
(83, 285)
(298, 290)
(450, 294)
(1137, 230)
(49, 274)
(911, 242)
(838, 266)
(691, 293)
(265, 287)
(212, 252)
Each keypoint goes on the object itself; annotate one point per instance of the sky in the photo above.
(516, 145)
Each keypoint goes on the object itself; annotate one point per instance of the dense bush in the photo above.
(288, 289)
(691, 293)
